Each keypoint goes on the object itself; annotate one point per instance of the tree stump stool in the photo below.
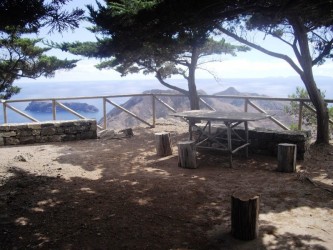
(244, 216)
(287, 157)
(187, 154)
(163, 144)
(128, 132)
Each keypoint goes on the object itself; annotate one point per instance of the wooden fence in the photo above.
(248, 102)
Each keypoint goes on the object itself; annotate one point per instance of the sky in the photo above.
(251, 64)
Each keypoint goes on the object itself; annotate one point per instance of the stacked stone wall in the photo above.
(51, 131)
(264, 141)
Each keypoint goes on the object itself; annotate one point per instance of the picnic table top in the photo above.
(221, 116)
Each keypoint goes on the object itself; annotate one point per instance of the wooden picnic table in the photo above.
(229, 120)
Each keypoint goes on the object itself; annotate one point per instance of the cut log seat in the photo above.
(187, 154)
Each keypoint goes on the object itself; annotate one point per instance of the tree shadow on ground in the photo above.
(52, 213)
(141, 201)
(320, 175)
(268, 239)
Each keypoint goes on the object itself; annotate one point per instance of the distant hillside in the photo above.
(142, 106)
(267, 105)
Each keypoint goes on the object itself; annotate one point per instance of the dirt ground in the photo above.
(117, 194)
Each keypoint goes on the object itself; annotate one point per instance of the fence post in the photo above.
(104, 112)
(154, 109)
(4, 112)
(300, 115)
(54, 110)
(246, 103)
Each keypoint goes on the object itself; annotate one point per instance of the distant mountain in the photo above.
(267, 105)
(46, 107)
(142, 107)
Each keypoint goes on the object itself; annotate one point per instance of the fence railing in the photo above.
(248, 102)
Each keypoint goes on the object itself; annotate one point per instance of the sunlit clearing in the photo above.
(42, 237)
(303, 219)
(37, 209)
(156, 171)
(130, 182)
(22, 221)
(88, 190)
(143, 201)
(79, 171)
(154, 161)
(198, 177)
(4, 176)
(52, 162)
(49, 203)
(111, 180)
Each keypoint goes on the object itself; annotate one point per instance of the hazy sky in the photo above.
(251, 64)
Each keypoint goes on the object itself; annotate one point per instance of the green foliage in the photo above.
(308, 116)
(131, 7)
(305, 26)
(313, 20)
(22, 57)
(294, 127)
(28, 16)
(131, 41)
(87, 49)
(213, 47)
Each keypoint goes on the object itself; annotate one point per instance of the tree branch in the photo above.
(263, 50)
(160, 79)
(211, 73)
(296, 51)
(281, 39)
(181, 62)
(327, 49)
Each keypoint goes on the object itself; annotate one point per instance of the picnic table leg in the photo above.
(190, 127)
(246, 139)
(229, 143)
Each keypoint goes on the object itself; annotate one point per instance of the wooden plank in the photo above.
(129, 112)
(21, 113)
(70, 110)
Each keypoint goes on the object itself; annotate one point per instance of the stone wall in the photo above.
(264, 141)
(51, 131)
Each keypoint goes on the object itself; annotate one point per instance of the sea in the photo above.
(273, 87)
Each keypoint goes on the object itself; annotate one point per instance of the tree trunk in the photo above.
(321, 111)
(193, 95)
(192, 88)
(305, 60)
